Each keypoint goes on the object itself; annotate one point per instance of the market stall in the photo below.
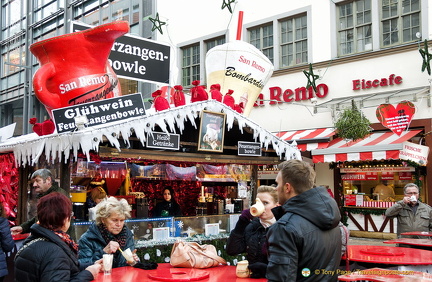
(370, 174)
(208, 181)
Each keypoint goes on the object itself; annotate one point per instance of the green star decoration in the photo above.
(227, 4)
(157, 24)
(311, 78)
(427, 57)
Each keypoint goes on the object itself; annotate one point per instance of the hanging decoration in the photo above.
(157, 23)
(9, 184)
(427, 57)
(352, 124)
(398, 118)
(227, 4)
(311, 77)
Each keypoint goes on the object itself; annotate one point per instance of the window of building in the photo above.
(190, 64)
(355, 27)
(262, 38)
(214, 42)
(400, 21)
(293, 41)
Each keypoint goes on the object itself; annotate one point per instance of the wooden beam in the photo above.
(174, 156)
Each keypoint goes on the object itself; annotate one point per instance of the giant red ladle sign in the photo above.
(398, 118)
(75, 68)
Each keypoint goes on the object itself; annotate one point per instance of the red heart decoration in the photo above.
(47, 127)
(37, 128)
(396, 119)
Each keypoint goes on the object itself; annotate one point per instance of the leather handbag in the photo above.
(194, 255)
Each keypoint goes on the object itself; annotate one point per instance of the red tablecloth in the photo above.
(411, 241)
(164, 270)
(417, 233)
(386, 275)
(389, 255)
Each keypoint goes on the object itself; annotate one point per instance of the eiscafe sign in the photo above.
(99, 112)
(278, 95)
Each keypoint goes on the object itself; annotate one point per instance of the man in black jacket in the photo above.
(43, 184)
(305, 242)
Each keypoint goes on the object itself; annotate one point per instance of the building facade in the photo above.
(366, 51)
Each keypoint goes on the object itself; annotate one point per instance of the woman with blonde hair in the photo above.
(108, 234)
(249, 234)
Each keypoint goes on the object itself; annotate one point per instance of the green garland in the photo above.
(352, 124)
(365, 211)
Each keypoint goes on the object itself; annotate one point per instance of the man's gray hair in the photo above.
(42, 173)
(410, 185)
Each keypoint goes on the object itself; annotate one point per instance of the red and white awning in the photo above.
(308, 139)
(376, 146)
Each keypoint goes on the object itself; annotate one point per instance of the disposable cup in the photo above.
(258, 208)
(107, 263)
(127, 254)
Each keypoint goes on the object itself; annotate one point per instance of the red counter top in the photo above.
(386, 275)
(411, 241)
(165, 272)
(389, 255)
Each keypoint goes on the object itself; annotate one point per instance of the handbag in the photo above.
(194, 255)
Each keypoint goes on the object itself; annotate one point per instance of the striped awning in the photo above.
(308, 139)
(376, 146)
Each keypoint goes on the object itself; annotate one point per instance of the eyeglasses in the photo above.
(411, 193)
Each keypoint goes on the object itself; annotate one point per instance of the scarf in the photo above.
(108, 236)
(267, 223)
(67, 239)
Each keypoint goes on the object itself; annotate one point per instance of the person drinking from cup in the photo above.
(249, 234)
(411, 214)
(49, 254)
(109, 234)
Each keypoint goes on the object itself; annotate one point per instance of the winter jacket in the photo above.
(54, 188)
(408, 221)
(7, 244)
(49, 259)
(91, 244)
(248, 237)
(306, 237)
(172, 207)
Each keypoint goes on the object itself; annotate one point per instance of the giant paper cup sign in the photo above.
(398, 118)
(241, 67)
(74, 67)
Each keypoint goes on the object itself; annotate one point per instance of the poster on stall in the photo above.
(398, 118)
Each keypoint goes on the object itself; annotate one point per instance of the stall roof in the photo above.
(308, 139)
(375, 146)
(28, 148)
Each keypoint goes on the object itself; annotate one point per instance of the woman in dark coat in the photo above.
(249, 234)
(169, 206)
(49, 254)
(7, 243)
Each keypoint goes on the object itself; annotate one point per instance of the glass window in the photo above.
(214, 42)
(400, 21)
(355, 27)
(293, 37)
(262, 38)
(190, 64)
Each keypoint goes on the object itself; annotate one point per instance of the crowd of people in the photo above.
(297, 231)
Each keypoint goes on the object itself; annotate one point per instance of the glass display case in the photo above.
(155, 245)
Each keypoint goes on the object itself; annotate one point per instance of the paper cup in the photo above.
(241, 67)
(413, 199)
(258, 208)
(127, 254)
(242, 270)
